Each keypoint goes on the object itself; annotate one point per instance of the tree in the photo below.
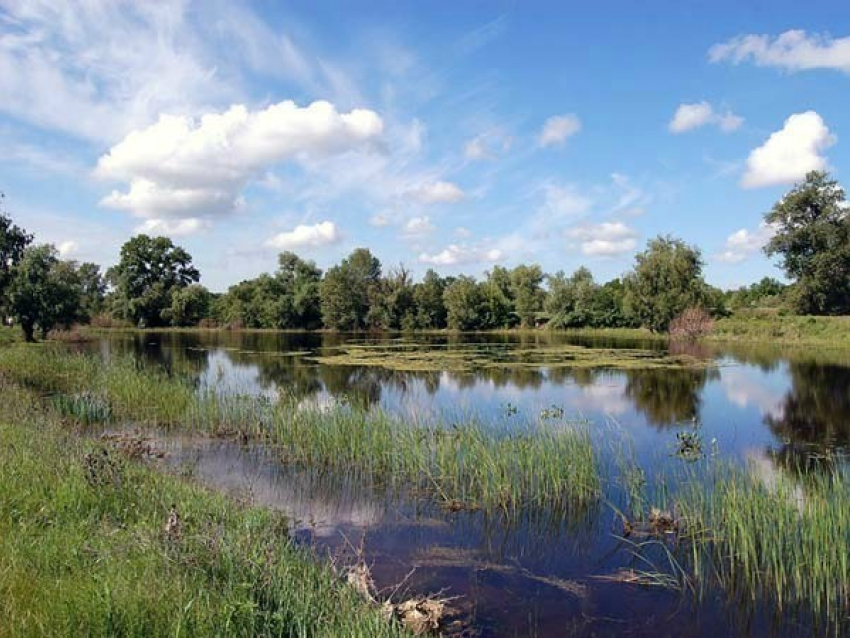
(527, 292)
(570, 300)
(92, 290)
(428, 297)
(189, 305)
(150, 271)
(463, 303)
(44, 292)
(812, 238)
(347, 289)
(495, 309)
(13, 241)
(300, 281)
(667, 278)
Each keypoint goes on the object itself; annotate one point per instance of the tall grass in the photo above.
(778, 540)
(548, 466)
(83, 550)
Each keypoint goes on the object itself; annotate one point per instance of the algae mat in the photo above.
(472, 357)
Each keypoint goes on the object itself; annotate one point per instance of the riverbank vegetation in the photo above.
(85, 539)
(156, 285)
(457, 462)
(94, 543)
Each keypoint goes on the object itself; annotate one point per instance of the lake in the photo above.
(779, 411)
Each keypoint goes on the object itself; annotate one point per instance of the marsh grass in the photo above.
(782, 540)
(84, 551)
(469, 463)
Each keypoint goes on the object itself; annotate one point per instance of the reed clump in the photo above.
(782, 540)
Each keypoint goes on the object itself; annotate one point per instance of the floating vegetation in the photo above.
(471, 357)
(552, 412)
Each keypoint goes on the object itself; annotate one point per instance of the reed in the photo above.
(779, 539)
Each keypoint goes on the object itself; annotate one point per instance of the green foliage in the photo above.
(189, 305)
(666, 279)
(150, 271)
(463, 299)
(767, 293)
(45, 292)
(347, 290)
(428, 299)
(570, 301)
(526, 287)
(13, 241)
(813, 240)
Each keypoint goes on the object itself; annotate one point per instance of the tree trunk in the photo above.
(29, 330)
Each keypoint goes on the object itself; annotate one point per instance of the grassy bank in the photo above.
(781, 330)
(84, 549)
(465, 463)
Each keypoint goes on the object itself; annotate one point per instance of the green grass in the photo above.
(84, 551)
(762, 326)
(776, 539)
(551, 465)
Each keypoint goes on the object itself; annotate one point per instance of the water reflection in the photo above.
(787, 414)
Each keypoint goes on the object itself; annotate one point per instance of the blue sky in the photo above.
(453, 135)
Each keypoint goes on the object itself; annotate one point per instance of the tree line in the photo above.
(155, 284)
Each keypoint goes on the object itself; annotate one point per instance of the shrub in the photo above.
(691, 324)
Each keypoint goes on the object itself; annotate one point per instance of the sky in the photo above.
(445, 135)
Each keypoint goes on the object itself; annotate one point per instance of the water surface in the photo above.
(547, 573)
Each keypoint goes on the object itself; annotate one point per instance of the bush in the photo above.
(691, 324)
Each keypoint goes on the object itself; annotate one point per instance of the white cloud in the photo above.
(439, 192)
(691, 116)
(742, 244)
(456, 254)
(608, 239)
(172, 227)
(418, 226)
(462, 232)
(321, 234)
(379, 220)
(68, 249)
(557, 129)
(180, 167)
(563, 201)
(793, 50)
(100, 68)
(790, 153)
(476, 149)
(487, 146)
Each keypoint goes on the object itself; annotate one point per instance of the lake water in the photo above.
(545, 575)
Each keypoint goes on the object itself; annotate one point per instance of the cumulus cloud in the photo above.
(417, 227)
(439, 192)
(793, 50)
(608, 239)
(68, 249)
(302, 236)
(456, 254)
(181, 167)
(173, 227)
(790, 153)
(695, 115)
(564, 200)
(743, 244)
(558, 129)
